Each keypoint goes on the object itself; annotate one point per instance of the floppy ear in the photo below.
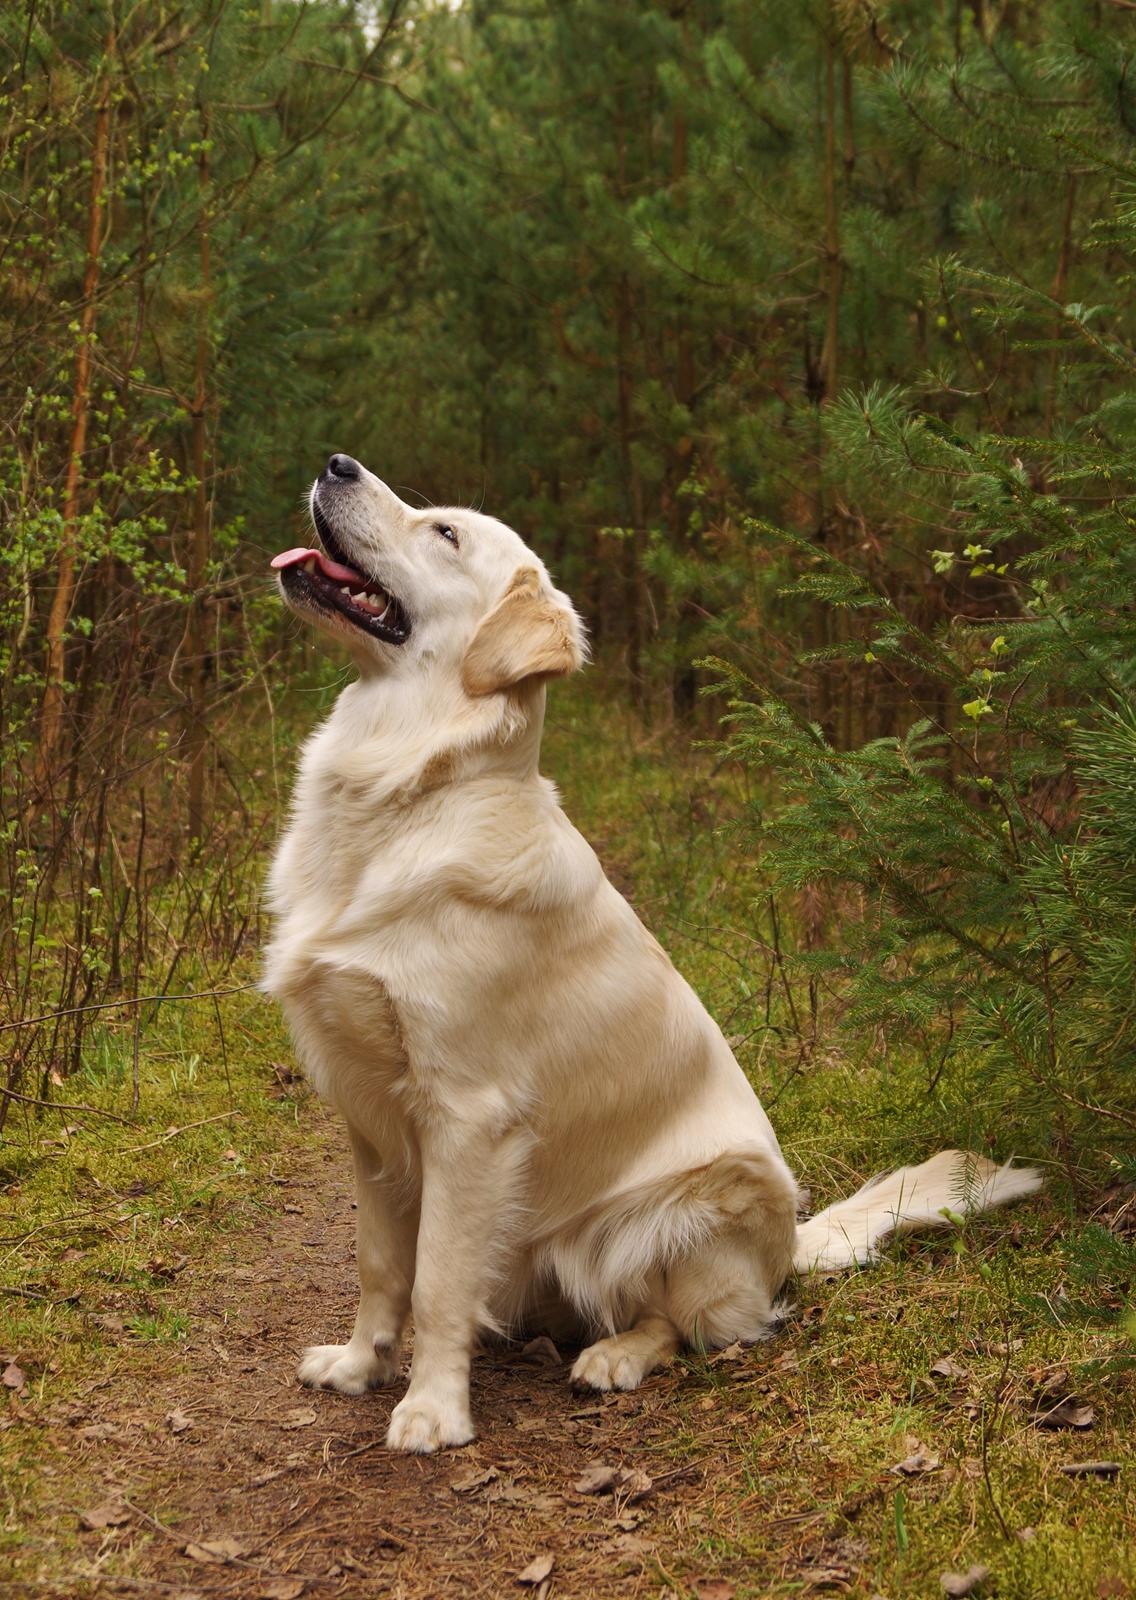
(527, 635)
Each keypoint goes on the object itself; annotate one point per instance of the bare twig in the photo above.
(62, 1105)
(173, 1133)
(111, 1005)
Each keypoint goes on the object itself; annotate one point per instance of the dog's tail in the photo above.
(846, 1235)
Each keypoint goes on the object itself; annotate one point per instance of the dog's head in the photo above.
(445, 587)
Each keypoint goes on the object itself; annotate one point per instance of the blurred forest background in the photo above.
(797, 338)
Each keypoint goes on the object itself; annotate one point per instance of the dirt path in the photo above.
(211, 1440)
(790, 1468)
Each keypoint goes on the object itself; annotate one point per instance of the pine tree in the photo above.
(976, 850)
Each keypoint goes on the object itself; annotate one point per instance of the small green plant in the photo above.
(163, 1327)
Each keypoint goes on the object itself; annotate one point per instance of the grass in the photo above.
(98, 1219)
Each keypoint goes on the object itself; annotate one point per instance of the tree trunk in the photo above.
(684, 681)
(633, 579)
(848, 98)
(829, 357)
(200, 548)
(51, 712)
(1058, 293)
(633, 576)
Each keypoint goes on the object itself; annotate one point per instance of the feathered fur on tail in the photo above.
(847, 1233)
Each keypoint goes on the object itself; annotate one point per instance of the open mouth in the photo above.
(311, 577)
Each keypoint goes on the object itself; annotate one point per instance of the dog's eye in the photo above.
(447, 532)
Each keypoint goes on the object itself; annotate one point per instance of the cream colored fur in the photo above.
(547, 1127)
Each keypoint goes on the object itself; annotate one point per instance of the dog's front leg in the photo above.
(465, 1185)
(384, 1255)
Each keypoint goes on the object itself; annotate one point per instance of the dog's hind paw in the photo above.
(422, 1424)
(616, 1363)
(350, 1368)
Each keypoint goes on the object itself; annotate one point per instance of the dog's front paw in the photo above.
(351, 1368)
(424, 1423)
(610, 1364)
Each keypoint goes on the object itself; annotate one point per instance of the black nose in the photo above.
(343, 467)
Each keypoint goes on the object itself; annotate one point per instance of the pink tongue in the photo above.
(330, 569)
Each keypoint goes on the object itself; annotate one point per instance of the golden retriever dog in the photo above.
(548, 1129)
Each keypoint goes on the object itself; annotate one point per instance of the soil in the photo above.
(211, 1439)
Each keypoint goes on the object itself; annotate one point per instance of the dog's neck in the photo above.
(399, 739)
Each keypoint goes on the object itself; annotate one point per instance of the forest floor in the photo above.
(968, 1403)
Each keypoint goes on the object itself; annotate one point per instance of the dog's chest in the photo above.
(350, 1036)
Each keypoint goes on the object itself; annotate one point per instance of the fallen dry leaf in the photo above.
(300, 1417)
(477, 1479)
(177, 1421)
(595, 1479)
(957, 1584)
(217, 1551)
(13, 1377)
(947, 1367)
(101, 1430)
(536, 1571)
(835, 1564)
(714, 1589)
(267, 1477)
(732, 1352)
(920, 1460)
(627, 1546)
(824, 1577)
(1003, 1347)
(160, 1268)
(111, 1514)
(541, 1352)
(1066, 1414)
(1090, 1469)
(1054, 1383)
(630, 1483)
(281, 1589)
(634, 1484)
(508, 1493)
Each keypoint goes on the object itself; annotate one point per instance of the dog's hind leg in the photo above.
(712, 1297)
(723, 1237)
(384, 1253)
(726, 1289)
(720, 1298)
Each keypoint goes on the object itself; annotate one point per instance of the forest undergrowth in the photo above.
(969, 1402)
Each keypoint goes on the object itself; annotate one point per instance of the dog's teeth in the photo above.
(310, 564)
(343, 589)
(360, 597)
